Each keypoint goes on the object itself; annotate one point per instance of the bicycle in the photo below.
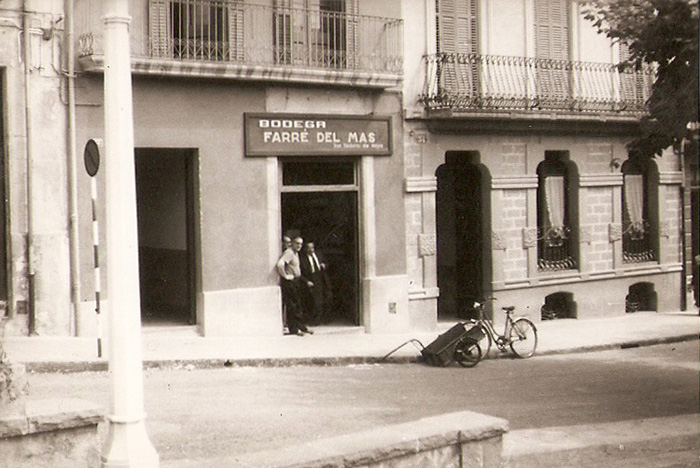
(520, 334)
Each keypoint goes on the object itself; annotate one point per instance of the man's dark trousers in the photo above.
(291, 295)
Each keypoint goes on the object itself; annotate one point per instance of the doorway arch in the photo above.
(463, 226)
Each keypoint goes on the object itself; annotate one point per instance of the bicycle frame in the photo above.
(500, 340)
(519, 333)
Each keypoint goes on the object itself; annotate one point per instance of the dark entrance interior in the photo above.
(329, 219)
(164, 197)
(462, 253)
(319, 202)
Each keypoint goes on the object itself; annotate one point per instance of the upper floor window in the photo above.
(457, 26)
(326, 34)
(555, 249)
(207, 30)
(317, 32)
(637, 215)
(457, 41)
(553, 51)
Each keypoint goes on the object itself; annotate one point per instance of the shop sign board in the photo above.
(316, 135)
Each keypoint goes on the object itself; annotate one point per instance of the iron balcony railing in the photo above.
(636, 242)
(234, 31)
(553, 249)
(473, 82)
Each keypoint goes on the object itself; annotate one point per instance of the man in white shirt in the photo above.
(290, 274)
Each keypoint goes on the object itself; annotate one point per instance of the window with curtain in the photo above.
(636, 226)
(554, 249)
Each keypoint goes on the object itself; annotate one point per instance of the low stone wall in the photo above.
(54, 433)
(454, 440)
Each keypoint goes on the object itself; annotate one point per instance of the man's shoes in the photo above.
(307, 331)
(299, 333)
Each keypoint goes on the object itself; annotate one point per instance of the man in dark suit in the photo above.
(319, 296)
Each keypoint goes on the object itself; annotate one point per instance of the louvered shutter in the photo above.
(351, 49)
(552, 29)
(632, 83)
(457, 37)
(300, 32)
(457, 30)
(552, 49)
(282, 31)
(159, 29)
(236, 33)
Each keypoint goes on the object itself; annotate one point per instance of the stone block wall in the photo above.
(454, 440)
(514, 220)
(597, 217)
(419, 203)
(54, 433)
(670, 224)
(596, 190)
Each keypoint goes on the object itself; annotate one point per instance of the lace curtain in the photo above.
(634, 200)
(554, 193)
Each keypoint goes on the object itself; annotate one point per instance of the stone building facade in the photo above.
(517, 173)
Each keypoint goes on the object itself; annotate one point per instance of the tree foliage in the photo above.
(662, 33)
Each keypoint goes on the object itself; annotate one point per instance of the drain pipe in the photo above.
(31, 302)
(72, 171)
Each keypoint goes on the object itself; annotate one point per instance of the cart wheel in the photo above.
(467, 352)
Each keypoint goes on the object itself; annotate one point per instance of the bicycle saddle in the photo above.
(508, 309)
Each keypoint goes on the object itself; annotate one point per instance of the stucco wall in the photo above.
(36, 165)
(237, 208)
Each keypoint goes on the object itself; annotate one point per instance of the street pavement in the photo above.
(167, 346)
(654, 442)
(180, 348)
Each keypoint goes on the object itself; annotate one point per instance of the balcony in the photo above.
(463, 84)
(637, 242)
(553, 248)
(239, 40)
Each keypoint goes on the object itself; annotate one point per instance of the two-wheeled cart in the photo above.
(459, 344)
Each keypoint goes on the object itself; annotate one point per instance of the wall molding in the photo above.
(518, 182)
(671, 178)
(600, 180)
(421, 184)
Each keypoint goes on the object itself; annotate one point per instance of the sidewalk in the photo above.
(663, 441)
(181, 346)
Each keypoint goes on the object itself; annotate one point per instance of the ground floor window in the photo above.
(555, 248)
(637, 237)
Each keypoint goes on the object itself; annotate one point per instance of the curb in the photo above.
(622, 345)
(46, 367)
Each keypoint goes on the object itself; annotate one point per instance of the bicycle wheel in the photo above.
(485, 342)
(523, 338)
(467, 352)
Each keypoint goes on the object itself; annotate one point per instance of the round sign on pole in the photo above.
(92, 157)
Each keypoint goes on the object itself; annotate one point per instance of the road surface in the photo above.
(202, 413)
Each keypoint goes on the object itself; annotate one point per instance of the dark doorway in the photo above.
(320, 203)
(461, 206)
(164, 196)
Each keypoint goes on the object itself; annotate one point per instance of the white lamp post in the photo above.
(127, 443)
